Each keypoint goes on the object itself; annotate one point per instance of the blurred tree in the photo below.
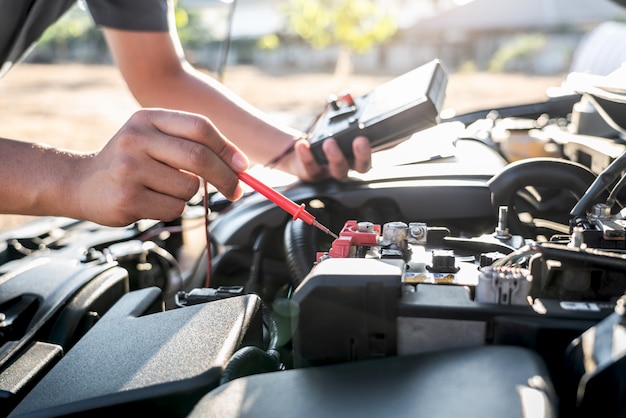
(60, 39)
(354, 26)
(74, 37)
(517, 54)
(192, 31)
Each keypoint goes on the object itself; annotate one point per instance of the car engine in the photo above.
(464, 277)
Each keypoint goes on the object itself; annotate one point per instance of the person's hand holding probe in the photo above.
(148, 170)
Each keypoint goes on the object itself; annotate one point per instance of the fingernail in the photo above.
(239, 162)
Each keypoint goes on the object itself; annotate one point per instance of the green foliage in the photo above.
(73, 37)
(353, 24)
(467, 67)
(191, 29)
(76, 28)
(271, 41)
(522, 46)
(73, 24)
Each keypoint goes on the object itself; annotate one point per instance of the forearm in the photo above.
(37, 180)
(197, 92)
(154, 67)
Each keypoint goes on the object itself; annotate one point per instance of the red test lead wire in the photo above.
(289, 206)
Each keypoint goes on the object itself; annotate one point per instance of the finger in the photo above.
(199, 129)
(312, 169)
(337, 163)
(129, 165)
(149, 204)
(121, 203)
(198, 159)
(362, 151)
(169, 181)
(191, 142)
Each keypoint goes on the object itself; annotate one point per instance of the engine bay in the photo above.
(453, 249)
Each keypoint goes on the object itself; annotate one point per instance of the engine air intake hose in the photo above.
(299, 250)
(537, 172)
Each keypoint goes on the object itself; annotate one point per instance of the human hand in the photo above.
(151, 168)
(307, 168)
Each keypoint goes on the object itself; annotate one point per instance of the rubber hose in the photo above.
(604, 179)
(272, 326)
(248, 361)
(299, 250)
(537, 172)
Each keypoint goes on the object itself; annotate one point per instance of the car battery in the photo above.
(369, 297)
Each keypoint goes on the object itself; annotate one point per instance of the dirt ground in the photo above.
(80, 107)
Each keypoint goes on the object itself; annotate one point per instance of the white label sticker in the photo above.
(580, 306)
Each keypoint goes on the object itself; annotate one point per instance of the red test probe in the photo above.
(291, 207)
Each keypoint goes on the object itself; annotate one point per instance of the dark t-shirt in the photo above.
(143, 15)
(22, 22)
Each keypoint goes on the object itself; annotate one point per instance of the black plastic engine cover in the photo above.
(161, 362)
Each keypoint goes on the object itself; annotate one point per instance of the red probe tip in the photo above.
(297, 211)
(326, 230)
